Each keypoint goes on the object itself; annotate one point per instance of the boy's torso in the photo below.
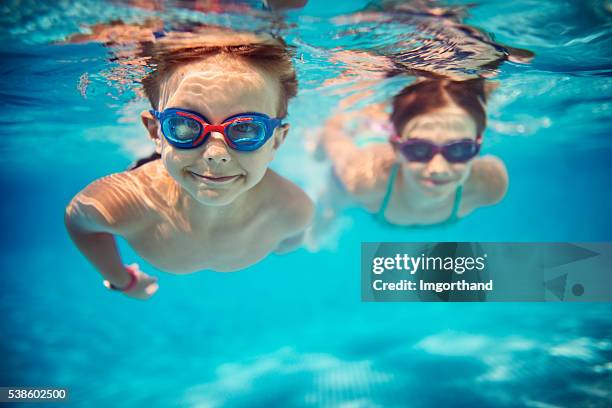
(177, 239)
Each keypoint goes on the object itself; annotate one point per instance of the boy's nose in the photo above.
(216, 151)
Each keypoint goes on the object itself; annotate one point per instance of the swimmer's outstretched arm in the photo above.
(339, 147)
(359, 169)
(92, 223)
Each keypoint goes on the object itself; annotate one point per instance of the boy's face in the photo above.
(217, 88)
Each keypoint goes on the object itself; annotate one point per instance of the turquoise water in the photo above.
(292, 331)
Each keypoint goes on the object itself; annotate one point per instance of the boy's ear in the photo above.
(280, 135)
(150, 123)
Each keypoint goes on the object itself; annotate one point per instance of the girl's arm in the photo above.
(360, 169)
(339, 147)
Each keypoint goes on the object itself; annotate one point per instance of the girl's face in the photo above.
(438, 177)
(217, 88)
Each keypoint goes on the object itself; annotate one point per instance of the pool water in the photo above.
(291, 330)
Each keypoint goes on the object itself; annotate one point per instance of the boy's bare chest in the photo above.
(190, 248)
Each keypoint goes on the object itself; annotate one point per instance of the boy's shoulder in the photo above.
(291, 207)
(123, 201)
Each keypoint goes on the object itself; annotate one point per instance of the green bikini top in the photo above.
(383, 207)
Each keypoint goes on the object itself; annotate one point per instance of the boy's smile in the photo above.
(219, 180)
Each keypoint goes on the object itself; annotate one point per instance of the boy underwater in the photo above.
(210, 202)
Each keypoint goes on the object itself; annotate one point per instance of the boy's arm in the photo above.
(94, 216)
(99, 248)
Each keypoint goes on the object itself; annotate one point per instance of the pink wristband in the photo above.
(131, 284)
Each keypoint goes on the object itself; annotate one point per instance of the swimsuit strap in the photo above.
(456, 205)
(387, 197)
(385, 202)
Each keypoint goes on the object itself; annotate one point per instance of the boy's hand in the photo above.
(145, 287)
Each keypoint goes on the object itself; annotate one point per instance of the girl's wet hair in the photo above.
(152, 157)
(432, 94)
(271, 54)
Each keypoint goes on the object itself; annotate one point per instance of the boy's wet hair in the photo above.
(432, 94)
(268, 53)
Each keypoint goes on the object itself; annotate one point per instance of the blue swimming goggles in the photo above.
(245, 132)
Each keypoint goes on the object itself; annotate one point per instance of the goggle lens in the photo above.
(246, 133)
(460, 151)
(181, 129)
(418, 152)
